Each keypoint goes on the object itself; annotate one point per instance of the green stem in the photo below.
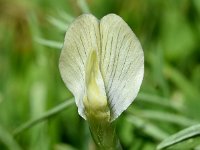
(7, 139)
(46, 115)
(104, 135)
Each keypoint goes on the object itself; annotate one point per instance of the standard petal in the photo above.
(81, 37)
(121, 63)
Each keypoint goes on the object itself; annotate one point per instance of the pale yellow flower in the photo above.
(102, 64)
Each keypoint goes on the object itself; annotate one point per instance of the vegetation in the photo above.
(36, 110)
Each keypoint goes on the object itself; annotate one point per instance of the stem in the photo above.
(104, 135)
(46, 115)
(7, 140)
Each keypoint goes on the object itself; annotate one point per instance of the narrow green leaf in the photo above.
(67, 17)
(7, 139)
(164, 116)
(147, 127)
(188, 89)
(45, 116)
(158, 100)
(187, 139)
(83, 6)
(64, 147)
(1, 98)
(181, 82)
(49, 43)
(58, 23)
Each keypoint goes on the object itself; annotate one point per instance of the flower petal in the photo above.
(81, 37)
(121, 63)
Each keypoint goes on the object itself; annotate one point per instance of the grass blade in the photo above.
(181, 82)
(187, 139)
(67, 17)
(83, 6)
(158, 100)
(49, 43)
(58, 23)
(164, 117)
(45, 116)
(147, 128)
(8, 140)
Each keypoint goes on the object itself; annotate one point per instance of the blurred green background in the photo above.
(31, 36)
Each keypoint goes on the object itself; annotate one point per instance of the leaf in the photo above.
(45, 116)
(7, 139)
(62, 146)
(188, 89)
(67, 17)
(158, 100)
(83, 6)
(58, 23)
(184, 139)
(164, 117)
(147, 127)
(181, 82)
(49, 43)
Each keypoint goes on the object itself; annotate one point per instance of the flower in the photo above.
(102, 64)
